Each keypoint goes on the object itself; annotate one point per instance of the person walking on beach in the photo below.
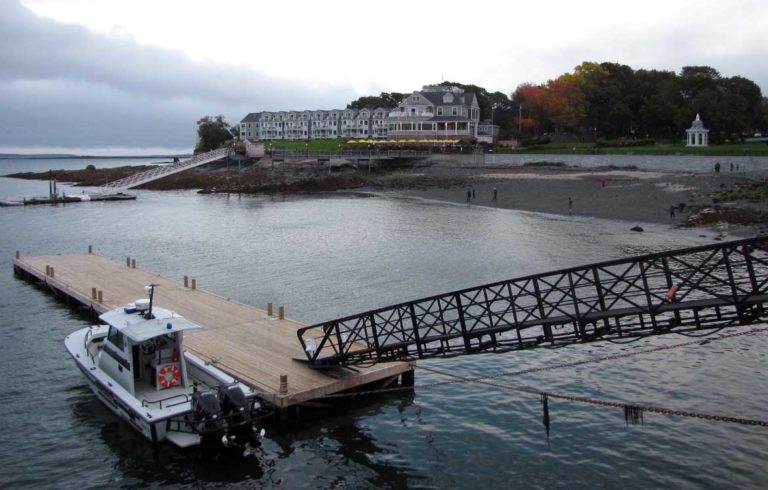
(570, 205)
(717, 168)
(473, 193)
(495, 194)
(469, 195)
(672, 212)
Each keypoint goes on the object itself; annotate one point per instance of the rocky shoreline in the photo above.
(680, 199)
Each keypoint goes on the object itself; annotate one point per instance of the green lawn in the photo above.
(753, 148)
(322, 146)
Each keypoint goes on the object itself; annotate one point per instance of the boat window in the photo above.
(115, 337)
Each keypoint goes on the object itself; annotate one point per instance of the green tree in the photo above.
(660, 97)
(762, 125)
(385, 99)
(212, 132)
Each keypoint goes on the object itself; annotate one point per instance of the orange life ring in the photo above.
(169, 376)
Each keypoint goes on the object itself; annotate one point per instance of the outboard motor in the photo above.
(208, 419)
(234, 405)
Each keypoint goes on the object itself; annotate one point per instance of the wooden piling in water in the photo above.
(281, 313)
(194, 283)
(186, 281)
(269, 309)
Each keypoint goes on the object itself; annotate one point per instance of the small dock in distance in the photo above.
(239, 339)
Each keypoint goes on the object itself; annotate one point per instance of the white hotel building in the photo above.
(434, 112)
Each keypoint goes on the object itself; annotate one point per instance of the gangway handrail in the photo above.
(163, 171)
(710, 286)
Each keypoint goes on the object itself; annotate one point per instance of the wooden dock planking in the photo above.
(237, 338)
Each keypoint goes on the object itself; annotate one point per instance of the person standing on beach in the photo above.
(570, 205)
(672, 212)
(469, 195)
(473, 193)
(495, 195)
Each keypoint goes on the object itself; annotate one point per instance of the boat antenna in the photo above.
(151, 292)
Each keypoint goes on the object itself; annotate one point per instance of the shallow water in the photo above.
(328, 256)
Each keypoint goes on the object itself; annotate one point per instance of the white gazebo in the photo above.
(697, 135)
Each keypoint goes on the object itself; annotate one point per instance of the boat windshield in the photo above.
(116, 338)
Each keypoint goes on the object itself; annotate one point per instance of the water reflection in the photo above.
(325, 257)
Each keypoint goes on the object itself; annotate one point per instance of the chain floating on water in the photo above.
(633, 414)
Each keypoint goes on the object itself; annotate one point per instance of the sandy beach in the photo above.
(621, 194)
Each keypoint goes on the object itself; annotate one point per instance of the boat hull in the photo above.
(152, 431)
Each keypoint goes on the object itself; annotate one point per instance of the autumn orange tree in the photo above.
(610, 100)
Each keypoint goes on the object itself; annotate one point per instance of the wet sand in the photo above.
(629, 195)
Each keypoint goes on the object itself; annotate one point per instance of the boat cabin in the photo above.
(143, 350)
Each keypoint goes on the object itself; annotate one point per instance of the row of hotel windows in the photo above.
(279, 132)
(292, 117)
(395, 127)
(375, 122)
(428, 110)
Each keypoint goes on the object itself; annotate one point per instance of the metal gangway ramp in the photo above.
(159, 172)
(693, 289)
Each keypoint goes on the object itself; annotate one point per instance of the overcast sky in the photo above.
(133, 76)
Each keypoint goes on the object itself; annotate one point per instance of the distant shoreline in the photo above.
(674, 198)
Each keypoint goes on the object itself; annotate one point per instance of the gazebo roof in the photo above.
(697, 124)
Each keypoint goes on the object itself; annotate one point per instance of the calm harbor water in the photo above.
(328, 256)
(16, 189)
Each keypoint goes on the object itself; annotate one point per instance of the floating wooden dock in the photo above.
(246, 342)
(71, 199)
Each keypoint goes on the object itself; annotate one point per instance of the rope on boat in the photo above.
(633, 414)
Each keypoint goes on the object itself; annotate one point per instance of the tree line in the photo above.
(596, 101)
(614, 101)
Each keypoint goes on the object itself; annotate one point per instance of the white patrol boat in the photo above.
(136, 364)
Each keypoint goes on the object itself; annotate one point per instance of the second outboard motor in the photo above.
(234, 404)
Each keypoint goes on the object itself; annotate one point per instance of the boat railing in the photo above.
(256, 413)
(86, 339)
(171, 401)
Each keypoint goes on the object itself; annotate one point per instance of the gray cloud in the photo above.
(62, 85)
